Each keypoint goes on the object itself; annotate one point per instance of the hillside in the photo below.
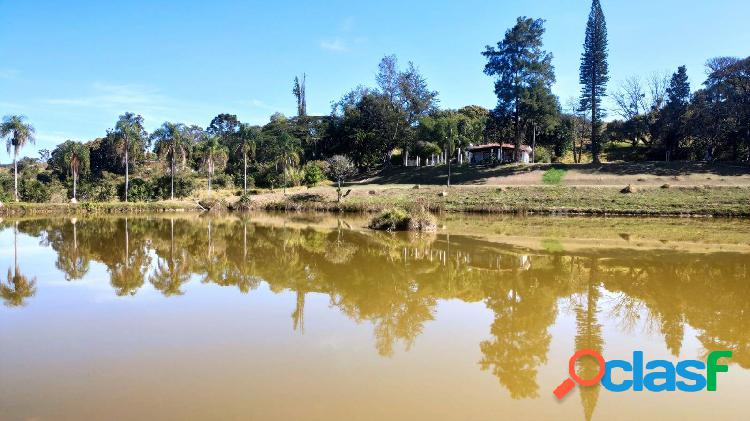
(609, 174)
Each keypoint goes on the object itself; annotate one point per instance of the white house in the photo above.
(498, 152)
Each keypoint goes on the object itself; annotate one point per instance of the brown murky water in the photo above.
(275, 317)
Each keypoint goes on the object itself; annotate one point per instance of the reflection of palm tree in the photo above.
(70, 260)
(171, 273)
(19, 287)
(128, 277)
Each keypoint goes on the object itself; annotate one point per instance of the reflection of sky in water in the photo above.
(351, 325)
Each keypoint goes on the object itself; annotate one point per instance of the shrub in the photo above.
(6, 188)
(104, 192)
(220, 180)
(553, 175)
(393, 219)
(183, 187)
(315, 172)
(542, 154)
(140, 190)
(239, 180)
(294, 176)
(245, 203)
(33, 190)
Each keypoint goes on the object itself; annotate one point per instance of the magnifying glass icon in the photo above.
(568, 384)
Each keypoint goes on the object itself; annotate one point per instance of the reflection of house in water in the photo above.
(496, 152)
(483, 258)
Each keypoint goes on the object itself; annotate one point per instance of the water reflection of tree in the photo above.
(394, 282)
(18, 287)
(172, 267)
(588, 336)
(128, 275)
(70, 259)
(524, 303)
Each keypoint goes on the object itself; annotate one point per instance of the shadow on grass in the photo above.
(471, 174)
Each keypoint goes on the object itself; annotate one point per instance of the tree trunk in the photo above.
(244, 174)
(171, 194)
(594, 122)
(449, 170)
(533, 144)
(210, 173)
(126, 169)
(15, 249)
(15, 173)
(517, 133)
(75, 183)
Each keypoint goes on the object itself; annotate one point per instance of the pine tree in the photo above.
(594, 73)
(524, 76)
(675, 112)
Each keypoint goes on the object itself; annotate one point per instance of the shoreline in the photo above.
(695, 201)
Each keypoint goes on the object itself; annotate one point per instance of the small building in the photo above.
(497, 152)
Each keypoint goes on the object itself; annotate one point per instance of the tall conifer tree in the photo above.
(594, 73)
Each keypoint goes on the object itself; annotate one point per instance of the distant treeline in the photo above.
(398, 121)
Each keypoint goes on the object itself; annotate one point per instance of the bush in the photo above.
(221, 180)
(104, 192)
(294, 176)
(140, 190)
(553, 175)
(6, 188)
(542, 154)
(422, 220)
(315, 172)
(245, 203)
(393, 219)
(239, 181)
(33, 190)
(183, 187)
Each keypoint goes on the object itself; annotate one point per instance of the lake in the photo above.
(280, 317)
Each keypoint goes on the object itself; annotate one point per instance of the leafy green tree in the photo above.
(720, 112)
(524, 75)
(17, 133)
(225, 126)
(340, 167)
(367, 128)
(594, 73)
(172, 142)
(131, 140)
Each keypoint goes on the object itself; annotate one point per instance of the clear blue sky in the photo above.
(73, 66)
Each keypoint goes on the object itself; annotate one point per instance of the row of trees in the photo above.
(661, 119)
(669, 121)
(397, 120)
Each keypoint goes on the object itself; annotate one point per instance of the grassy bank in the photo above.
(655, 201)
(86, 208)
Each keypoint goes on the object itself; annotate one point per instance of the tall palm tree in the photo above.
(77, 158)
(213, 153)
(173, 143)
(246, 145)
(18, 134)
(129, 129)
